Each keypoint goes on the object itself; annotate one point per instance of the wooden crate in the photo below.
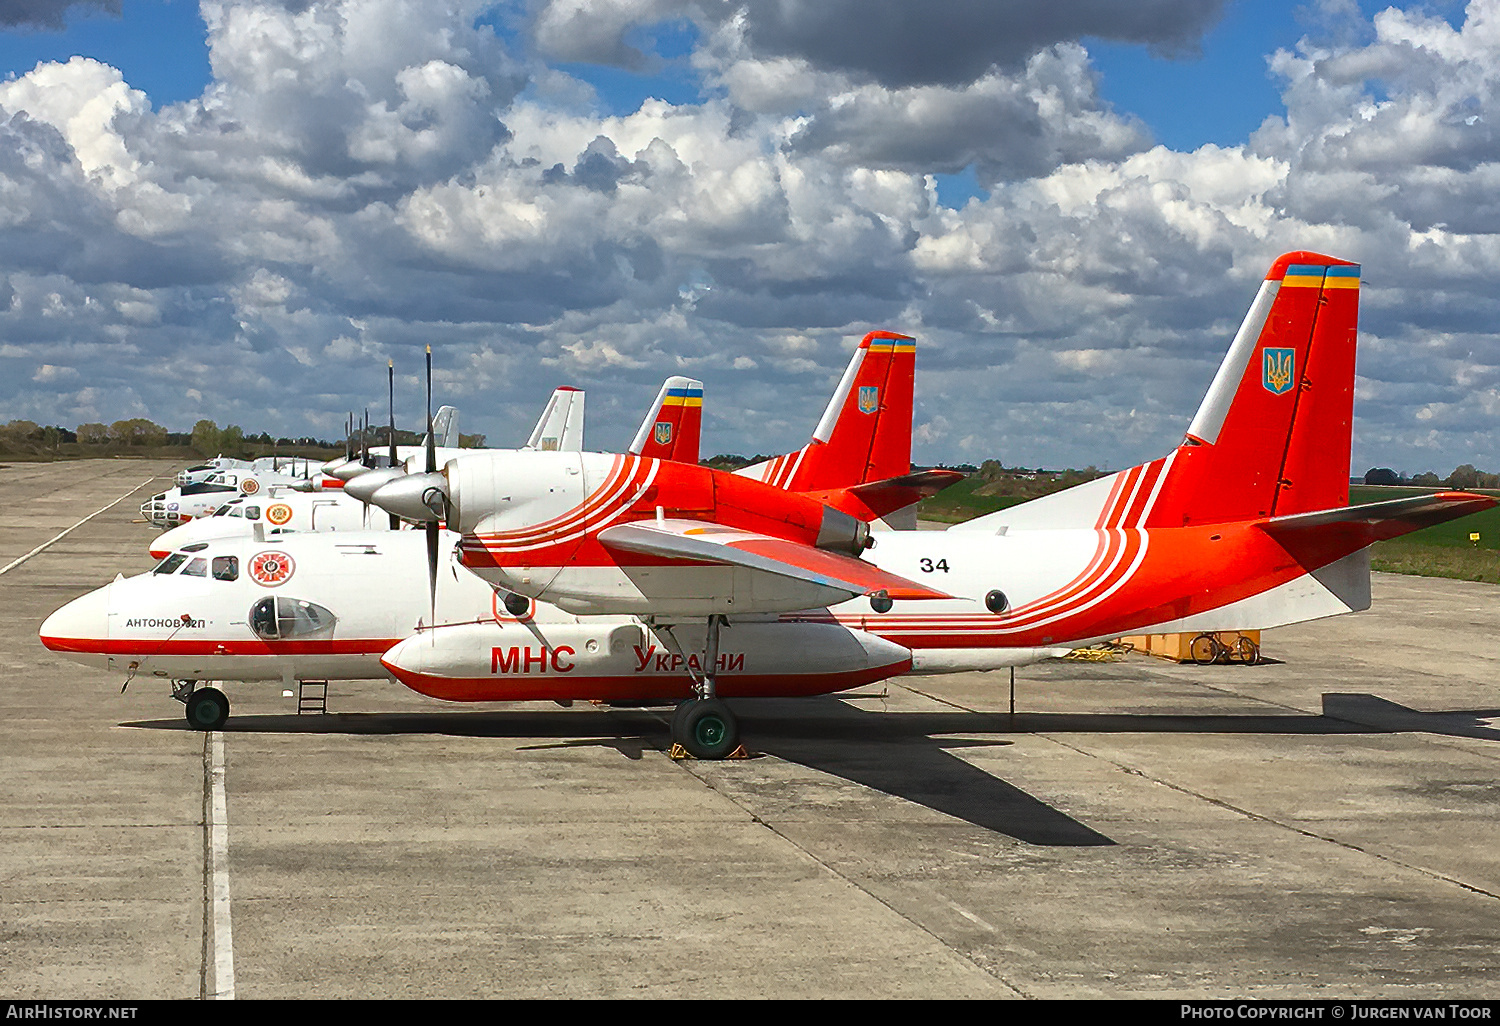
(1178, 647)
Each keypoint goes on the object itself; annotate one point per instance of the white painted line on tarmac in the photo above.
(52, 541)
(218, 873)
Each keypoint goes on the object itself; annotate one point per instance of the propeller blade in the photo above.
(391, 395)
(432, 557)
(431, 442)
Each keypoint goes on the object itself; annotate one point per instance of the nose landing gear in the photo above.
(207, 708)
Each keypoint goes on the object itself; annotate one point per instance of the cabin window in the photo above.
(226, 568)
(170, 564)
(276, 617)
(197, 568)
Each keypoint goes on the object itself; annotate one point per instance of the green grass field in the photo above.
(1442, 551)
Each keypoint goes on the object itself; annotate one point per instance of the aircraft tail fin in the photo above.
(673, 426)
(560, 428)
(1272, 436)
(865, 433)
(444, 428)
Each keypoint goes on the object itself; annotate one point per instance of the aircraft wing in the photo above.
(695, 541)
(561, 426)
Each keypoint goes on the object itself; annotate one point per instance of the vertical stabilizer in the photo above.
(560, 428)
(1272, 436)
(673, 425)
(865, 433)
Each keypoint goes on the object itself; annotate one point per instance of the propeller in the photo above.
(422, 498)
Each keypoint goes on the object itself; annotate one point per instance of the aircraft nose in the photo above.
(80, 629)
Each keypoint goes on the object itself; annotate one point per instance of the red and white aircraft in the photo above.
(1245, 525)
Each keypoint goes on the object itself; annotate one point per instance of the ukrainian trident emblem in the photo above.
(1278, 370)
(663, 432)
(869, 398)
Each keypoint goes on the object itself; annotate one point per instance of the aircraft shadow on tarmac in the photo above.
(903, 754)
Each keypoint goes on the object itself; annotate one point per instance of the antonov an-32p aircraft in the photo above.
(1246, 524)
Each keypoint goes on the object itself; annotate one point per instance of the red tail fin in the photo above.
(865, 433)
(673, 425)
(1272, 436)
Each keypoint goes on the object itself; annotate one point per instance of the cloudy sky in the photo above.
(239, 209)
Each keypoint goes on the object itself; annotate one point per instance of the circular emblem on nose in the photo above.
(271, 568)
(279, 514)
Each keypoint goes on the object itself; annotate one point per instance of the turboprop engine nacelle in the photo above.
(615, 661)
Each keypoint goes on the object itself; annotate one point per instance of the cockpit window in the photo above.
(197, 568)
(276, 617)
(226, 568)
(252, 512)
(170, 564)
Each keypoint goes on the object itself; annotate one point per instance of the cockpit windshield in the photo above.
(170, 564)
(184, 564)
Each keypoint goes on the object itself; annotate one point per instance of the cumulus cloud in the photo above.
(893, 42)
(48, 14)
(362, 177)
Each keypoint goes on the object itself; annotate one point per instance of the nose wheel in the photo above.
(207, 709)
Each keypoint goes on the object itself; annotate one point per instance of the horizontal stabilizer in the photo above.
(1378, 521)
(694, 541)
(1317, 539)
(877, 498)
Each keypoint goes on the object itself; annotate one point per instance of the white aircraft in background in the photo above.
(1245, 525)
(445, 433)
(187, 502)
(665, 433)
(202, 471)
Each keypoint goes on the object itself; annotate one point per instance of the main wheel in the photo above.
(678, 713)
(708, 730)
(207, 709)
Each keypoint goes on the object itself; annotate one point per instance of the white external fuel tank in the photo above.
(614, 661)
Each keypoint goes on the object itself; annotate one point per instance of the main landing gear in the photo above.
(207, 708)
(703, 726)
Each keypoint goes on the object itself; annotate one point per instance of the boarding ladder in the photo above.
(312, 696)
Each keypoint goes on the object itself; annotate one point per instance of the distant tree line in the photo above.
(1464, 478)
(139, 435)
